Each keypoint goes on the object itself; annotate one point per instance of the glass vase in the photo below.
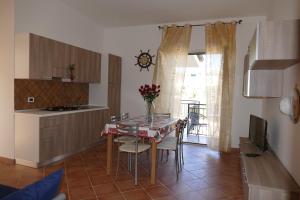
(149, 111)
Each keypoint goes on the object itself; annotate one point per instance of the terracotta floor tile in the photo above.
(158, 191)
(136, 195)
(206, 175)
(116, 196)
(190, 196)
(82, 193)
(179, 188)
(96, 171)
(79, 182)
(104, 189)
(127, 185)
(97, 180)
(145, 183)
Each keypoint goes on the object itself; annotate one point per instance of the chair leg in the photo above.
(167, 155)
(176, 162)
(148, 154)
(128, 161)
(118, 163)
(179, 158)
(182, 154)
(129, 155)
(135, 174)
(161, 155)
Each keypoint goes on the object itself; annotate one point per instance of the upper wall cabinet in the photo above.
(261, 83)
(38, 57)
(275, 45)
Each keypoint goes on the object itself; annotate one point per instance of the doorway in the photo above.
(193, 100)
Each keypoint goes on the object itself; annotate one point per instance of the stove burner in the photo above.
(62, 108)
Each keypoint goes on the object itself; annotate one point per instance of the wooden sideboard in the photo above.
(38, 57)
(264, 176)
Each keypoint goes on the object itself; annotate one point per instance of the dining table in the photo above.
(155, 130)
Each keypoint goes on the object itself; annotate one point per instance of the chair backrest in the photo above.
(124, 116)
(162, 114)
(114, 119)
(180, 126)
(127, 129)
(196, 112)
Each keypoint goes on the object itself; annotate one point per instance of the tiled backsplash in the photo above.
(49, 93)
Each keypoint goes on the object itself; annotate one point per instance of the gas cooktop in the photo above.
(62, 108)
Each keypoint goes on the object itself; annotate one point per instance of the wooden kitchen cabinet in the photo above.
(61, 60)
(87, 65)
(51, 142)
(72, 132)
(114, 84)
(51, 138)
(40, 140)
(42, 58)
(39, 57)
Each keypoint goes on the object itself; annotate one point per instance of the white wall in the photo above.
(56, 20)
(127, 42)
(7, 140)
(284, 136)
(98, 92)
(287, 9)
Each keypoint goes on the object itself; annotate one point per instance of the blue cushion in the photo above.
(45, 189)
(6, 190)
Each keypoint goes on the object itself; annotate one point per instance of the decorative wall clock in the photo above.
(144, 60)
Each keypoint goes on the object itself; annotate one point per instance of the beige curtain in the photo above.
(170, 67)
(220, 70)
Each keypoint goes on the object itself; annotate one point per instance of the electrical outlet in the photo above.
(30, 99)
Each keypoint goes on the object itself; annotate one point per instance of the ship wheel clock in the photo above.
(144, 60)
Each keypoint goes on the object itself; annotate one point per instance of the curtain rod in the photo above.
(237, 22)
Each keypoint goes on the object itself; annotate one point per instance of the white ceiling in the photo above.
(114, 13)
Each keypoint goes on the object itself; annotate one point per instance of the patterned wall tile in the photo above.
(49, 93)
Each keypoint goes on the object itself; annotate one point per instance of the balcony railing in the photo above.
(197, 117)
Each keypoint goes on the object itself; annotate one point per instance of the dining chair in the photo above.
(175, 144)
(124, 116)
(197, 119)
(125, 138)
(114, 118)
(130, 148)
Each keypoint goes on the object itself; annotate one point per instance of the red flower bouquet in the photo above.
(149, 92)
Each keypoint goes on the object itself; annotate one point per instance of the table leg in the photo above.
(109, 154)
(153, 162)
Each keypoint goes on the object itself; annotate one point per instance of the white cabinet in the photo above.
(275, 45)
(264, 177)
(262, 83)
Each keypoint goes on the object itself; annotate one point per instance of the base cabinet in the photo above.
(42, 140)
(264, 177)
(51, 142)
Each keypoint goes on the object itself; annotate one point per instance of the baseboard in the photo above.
(7, 161)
